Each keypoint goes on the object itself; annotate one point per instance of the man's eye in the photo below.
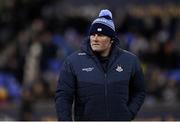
(93, 34)
(100, 34)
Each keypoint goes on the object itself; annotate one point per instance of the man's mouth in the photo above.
(95, 44)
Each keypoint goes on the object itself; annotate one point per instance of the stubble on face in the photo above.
(100, 43)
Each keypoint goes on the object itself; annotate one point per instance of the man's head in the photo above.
(102, 32)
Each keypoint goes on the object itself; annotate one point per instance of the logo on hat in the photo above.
(99, 29)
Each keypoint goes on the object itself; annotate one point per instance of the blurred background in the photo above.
(36, 36)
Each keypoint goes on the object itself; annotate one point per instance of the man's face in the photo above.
(100, 43)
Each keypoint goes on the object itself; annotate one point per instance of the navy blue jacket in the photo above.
(116, 94)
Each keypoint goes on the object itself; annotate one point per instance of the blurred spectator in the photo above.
(26, 108)
(10, 90)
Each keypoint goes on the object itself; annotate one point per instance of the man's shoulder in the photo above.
(75, 56)
(128, 57)
(128, 54)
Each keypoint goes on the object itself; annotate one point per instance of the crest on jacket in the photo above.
(119, 68)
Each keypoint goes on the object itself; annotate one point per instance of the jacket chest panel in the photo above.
(90, 73)
(119, 74)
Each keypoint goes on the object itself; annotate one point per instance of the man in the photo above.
(104, 81)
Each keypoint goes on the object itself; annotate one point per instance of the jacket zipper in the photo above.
(106, 97)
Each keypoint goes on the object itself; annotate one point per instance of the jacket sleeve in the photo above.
(137, 89)
(65, 93)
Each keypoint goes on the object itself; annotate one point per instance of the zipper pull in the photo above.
(105, 75)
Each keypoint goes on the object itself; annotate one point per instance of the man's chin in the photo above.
(96, 50)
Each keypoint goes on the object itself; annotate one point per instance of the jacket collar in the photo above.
(115, 51)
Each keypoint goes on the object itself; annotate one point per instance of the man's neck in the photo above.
(105, 53)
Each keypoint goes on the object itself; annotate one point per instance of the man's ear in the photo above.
(112, 40)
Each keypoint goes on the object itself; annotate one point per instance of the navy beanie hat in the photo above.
(103, 24)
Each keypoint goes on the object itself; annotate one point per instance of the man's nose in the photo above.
(95, 37)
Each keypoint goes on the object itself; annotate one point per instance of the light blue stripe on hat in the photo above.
(105, 21)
